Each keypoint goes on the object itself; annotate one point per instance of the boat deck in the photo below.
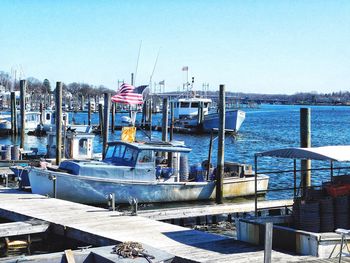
(102, 227)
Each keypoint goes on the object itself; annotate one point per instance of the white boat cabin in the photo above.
(78, 145)
(49, 120)
(188, 107)
(149, 161)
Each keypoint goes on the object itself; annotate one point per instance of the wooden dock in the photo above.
(101, 227)
(204, 210)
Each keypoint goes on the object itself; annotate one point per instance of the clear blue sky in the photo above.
(251, 46)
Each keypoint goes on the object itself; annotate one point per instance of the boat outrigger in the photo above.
(149, 172)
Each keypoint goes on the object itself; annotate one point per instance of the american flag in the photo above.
(128, 94)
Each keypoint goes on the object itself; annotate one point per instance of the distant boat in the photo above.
(126, 119)
(187, 114)
(5, 123)
(140, 171)
(49, 121)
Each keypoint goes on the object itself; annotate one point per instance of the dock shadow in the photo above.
(212, 242)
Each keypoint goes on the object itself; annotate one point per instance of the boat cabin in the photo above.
(188, 107)
(151, 160)
(49, 119)
(77, 145)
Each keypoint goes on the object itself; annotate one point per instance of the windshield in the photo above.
(121, 155)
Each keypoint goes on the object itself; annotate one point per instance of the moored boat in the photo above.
(195, 114)
(140, 171)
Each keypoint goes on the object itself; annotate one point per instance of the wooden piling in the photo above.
(172, 120)
(144, 114)
(107, 107)
(221, 147)
(113, 117)
(41, 113)
(82, 102)
(268, 242)
(58, 109)
(89, 110)
(150, 119)
(200, 115)
(13, 114)
(23, 87)
(305, 142)
(100, 115)
(210, 151)
(165, 120)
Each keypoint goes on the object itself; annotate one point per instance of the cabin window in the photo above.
(146, 156)
(130, 154)
(83, 146)
(48, 116)
(185, 104)
(206, 104)
(119, 151)
(110, 151)
(194, 104)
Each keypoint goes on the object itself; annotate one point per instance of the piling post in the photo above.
(13, 114)
(268, 242)
(23, 87)
(165, 120)
(58, 109)
(54, 186)
(256, 185)
(41, 113)
(200, 114)
(221, 147)
(100, 115)
(172, 120)
(150, 120)
(210, 151)
(305, 142)
(113, 117)
(144, 114)
(82, 102)
(132, 79)
(89, 110)
(107, 107)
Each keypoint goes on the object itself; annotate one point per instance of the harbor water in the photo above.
(266, 128)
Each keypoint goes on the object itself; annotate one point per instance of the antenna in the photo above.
(137, 62)
(154, 68)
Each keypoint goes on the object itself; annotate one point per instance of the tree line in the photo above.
(37, 86)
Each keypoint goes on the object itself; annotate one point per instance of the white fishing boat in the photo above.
(5, 124)
(49, 121)
(140, 171)
(31, 119)
(195, 113)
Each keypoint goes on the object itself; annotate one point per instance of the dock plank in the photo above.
(103, 227)
(195, 211)
(23, 228)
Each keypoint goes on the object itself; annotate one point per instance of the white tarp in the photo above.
(339, 153)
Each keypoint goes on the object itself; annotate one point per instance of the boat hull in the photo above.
(92, 190)
(233, 120)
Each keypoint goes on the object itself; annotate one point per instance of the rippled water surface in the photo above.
(266, 128)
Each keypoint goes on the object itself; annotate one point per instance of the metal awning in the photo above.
(339, 153)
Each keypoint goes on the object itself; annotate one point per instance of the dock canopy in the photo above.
(339, 153)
